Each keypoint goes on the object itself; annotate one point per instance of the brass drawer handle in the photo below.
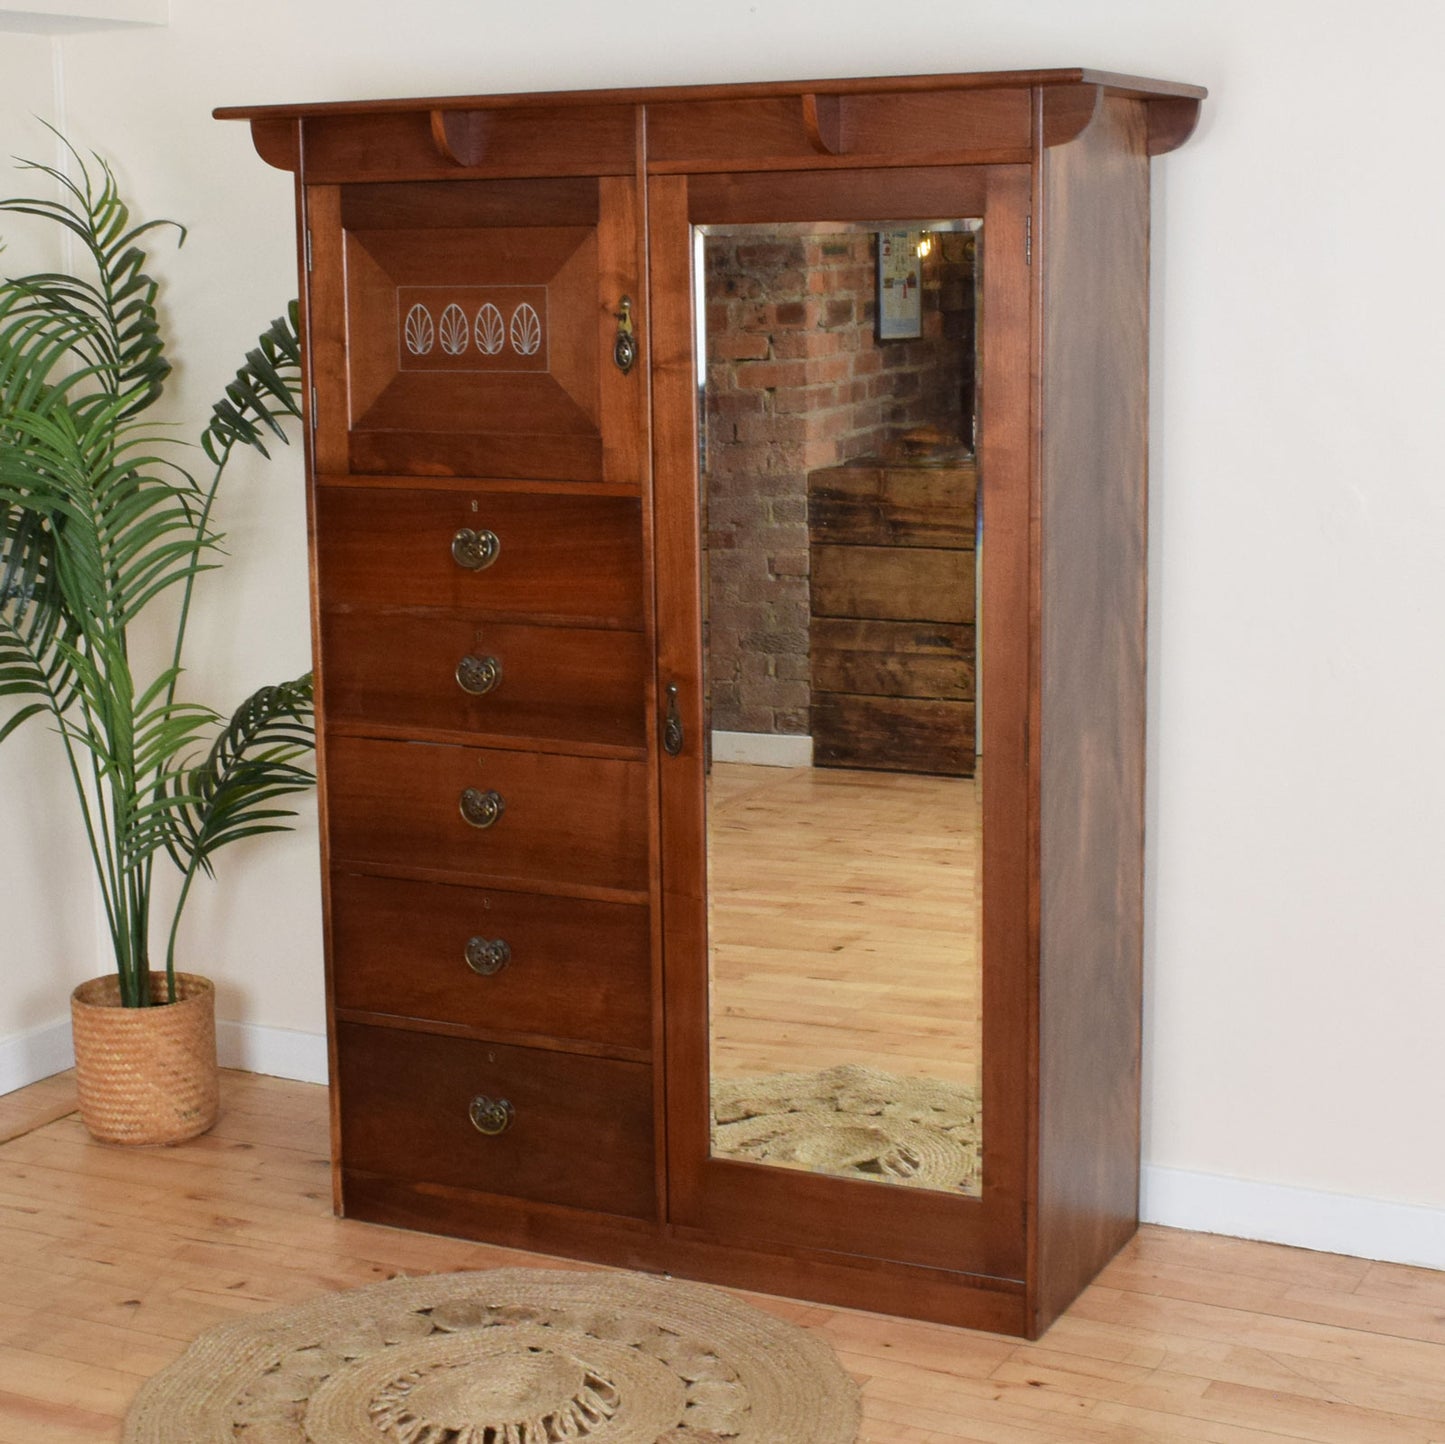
(486, 956)
(478, 675)
(491, 1115)
(475, 550)
(482, 809)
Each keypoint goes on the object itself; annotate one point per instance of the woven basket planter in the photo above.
(146, 1075)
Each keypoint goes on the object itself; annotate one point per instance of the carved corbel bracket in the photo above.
(278, 142)
(1069, 111)
(823, 123)
(460, 136)
(1171, 122)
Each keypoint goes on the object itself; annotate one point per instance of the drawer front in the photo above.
(543, 557)
(571, 684)
(578, 1131)
(570, 820)
(512, 962)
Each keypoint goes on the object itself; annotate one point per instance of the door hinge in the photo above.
(313, 408)
(1028, 240)
(308, 250)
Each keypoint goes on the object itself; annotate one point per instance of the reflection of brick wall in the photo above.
(797, 381)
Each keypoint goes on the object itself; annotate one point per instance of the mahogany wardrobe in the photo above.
(727, 514)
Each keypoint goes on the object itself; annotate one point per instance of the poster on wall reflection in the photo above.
(900, 286)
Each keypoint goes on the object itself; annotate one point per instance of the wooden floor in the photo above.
(843, 921)
(112, 1260)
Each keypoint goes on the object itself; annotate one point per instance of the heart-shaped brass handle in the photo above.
(482, 809)
(486, 956)
(478, 675)
(491, 1115)
(475, 550)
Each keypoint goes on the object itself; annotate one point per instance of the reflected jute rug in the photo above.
(509, 1356)
(854, 1122)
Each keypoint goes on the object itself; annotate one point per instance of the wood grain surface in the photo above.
(113, 1260)
(580, 1136)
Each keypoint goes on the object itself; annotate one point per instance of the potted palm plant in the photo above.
(106, 525)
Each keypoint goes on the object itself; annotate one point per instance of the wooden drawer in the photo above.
(580, 1133)
(569, 969)
(558, 558)
(576, 821)
(571, 684)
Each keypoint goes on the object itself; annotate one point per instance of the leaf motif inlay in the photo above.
(454, 332)
(490, 330)
(526, 331)
(420, 333)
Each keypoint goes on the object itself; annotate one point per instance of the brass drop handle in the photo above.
(673, 736)
(479, 675)
(486, 956)
(624, 348)
(491, 1115)
(482, 809)
(475, 550)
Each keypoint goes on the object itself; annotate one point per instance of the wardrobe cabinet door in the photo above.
(847, 947)
(469, 329)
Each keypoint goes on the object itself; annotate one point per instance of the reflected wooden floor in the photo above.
(843, 921)
(111, 1261)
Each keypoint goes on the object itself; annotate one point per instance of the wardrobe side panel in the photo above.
(1094, 247)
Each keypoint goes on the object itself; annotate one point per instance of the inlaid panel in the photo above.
(473, 327)
(414, 297)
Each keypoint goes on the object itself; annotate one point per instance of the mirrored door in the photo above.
(841, 410)
(841, 565)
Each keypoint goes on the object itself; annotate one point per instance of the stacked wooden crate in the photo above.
(892, 553)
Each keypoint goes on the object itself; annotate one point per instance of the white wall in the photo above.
(1295, 968)
(48, 935)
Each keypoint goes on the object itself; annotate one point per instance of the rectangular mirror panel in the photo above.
(837, 369)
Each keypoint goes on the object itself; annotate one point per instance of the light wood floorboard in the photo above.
(843, 921)
(112, 1260)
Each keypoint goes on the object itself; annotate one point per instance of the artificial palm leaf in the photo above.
(124, 338)
(37, 633)
(99, 523)
(256, 760)
(265, 389)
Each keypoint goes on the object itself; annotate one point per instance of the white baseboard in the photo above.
(278, 1052)
(1370, 1228)
(762, 749)
(1300, 1217)
(26, 1058)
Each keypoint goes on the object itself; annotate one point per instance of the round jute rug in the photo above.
(853, 1122)
(510, 1356)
